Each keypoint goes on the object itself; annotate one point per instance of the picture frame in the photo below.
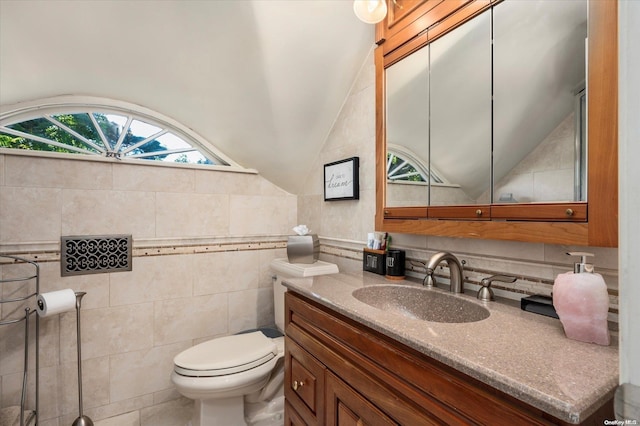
(341, 180)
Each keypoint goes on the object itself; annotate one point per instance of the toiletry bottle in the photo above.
(582, 302)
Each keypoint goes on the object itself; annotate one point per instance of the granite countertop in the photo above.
(523, 354)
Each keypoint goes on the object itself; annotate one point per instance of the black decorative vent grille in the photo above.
(81, 255)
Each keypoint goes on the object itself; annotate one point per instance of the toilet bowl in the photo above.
(238, 380)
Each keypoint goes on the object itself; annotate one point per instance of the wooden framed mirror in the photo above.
(588, 216)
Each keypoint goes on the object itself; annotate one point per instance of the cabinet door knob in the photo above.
(297, 385)
(478, 212)
(569, 212)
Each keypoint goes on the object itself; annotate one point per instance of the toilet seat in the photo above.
(226, 355)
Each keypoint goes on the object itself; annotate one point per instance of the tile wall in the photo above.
(203, 241)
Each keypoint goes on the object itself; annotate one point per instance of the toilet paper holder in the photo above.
(82, 420)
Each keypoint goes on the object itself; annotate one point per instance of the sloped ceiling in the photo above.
(262, 80)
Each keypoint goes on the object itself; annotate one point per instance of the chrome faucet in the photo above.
(485, 293)
(456, 277)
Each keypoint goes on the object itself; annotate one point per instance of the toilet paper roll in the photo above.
(55, 302)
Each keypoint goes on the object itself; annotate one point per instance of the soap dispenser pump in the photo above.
(582, 302)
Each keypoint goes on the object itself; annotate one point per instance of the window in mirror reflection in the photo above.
(408, 178)
(404, 167)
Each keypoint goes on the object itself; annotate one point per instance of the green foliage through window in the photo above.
(400, 167)
(121, 136)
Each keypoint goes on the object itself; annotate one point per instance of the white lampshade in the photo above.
(370, 11)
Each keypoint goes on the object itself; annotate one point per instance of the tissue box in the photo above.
(303, 248)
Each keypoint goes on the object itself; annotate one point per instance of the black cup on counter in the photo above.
(395, 264)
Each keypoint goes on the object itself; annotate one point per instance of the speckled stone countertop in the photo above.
(520, 353)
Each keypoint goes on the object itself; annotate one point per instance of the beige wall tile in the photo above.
(128, 419)
(309, 214)
(257, 215)
(30, 171)
(166, 395)
(113, 409)
(172, 413)
(153, 278)
(107, 331)
(225, 271)
(508, 249)
(604, 257)
(249, 309)
(12, 345)
(216, 182)
(191, 215)
(49, 422)
(95, 285)
(151, 178)
(50, 396)
(108, 212)
(143, 372)
(350, 219)
(521, 187)
(95, 384)
(553, 185)
(177, 320)
(366, 75)
(30, 214)
(265, 271)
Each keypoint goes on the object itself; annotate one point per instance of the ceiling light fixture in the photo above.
(370, 11)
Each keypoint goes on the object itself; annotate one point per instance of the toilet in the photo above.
(238, 379)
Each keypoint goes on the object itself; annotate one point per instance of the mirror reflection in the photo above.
(444, 134)
(460, 67)
(408, 130)
(539, 77)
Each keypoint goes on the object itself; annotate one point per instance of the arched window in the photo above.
(404, 166)
(106, 128)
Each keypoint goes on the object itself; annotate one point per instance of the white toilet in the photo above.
(238, 380)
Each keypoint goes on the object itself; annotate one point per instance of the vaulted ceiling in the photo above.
(263, 80)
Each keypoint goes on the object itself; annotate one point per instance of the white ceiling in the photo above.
(263, 80)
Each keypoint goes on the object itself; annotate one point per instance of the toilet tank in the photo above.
(283, 269)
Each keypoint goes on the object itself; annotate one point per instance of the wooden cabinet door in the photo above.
(291, 417)
(346, 407)
(304, 383)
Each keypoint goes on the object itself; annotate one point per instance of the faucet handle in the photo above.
(485, 293)
(429, 280)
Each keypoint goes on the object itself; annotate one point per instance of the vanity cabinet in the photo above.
(482, 207)
(305, 383)
(340, 372)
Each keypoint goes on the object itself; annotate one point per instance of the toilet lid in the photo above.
(226, 355)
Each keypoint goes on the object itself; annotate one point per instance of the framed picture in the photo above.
(341, 180)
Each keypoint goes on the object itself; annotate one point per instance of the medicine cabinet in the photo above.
(489, 126)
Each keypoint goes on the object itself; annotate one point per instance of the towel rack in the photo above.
(30, 278)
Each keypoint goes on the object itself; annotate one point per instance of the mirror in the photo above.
(447, 144)
(460, 69)
(408, 130)
(539, 80)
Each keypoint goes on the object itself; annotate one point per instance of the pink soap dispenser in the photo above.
(582, 302)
